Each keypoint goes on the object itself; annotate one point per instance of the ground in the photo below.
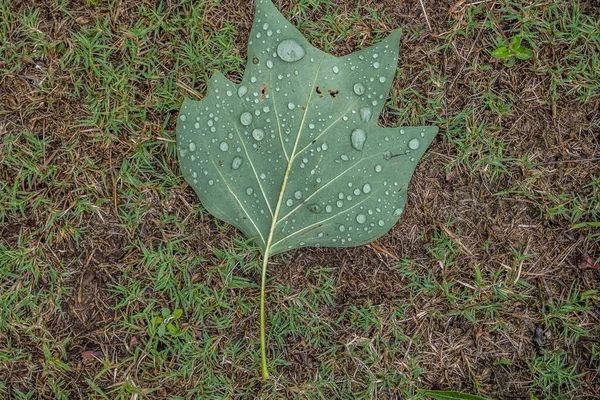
(489, 283)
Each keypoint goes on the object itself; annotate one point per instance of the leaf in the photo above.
(293, 156)
(173, 330)
(177, 313)
(502, 52)
(450, 395)
(515, 42)
(523, 53)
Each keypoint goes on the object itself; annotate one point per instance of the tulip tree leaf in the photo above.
(293, 155)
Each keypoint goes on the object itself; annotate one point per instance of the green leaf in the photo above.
(515, 42)
(165, 312)
(177, 313)
(173, 330)
(502, 52)
(293, 156)
(523, 53)
(509, 62)
(450, 395)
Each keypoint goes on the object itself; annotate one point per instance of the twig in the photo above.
(425, 12)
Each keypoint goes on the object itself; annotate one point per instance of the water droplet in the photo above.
(367, 188)
(358, 139)
(291, 106)
(361, 218)
(375, 65)
(269, 64)
(266, 26)
(382, 79)
(336, 69)
(289, 202)
(237, 162)
(365, 114)
(246, 118)
(414, 144)
(324, 146)
(344, 157)
(242, 90)
(314, 208)
(387, 154)
(380, 222)
(397, 212)
(192, 146)
(211, 182)
(269, 33)
(253, 79)
(311, 126)
(263, 176)
(378, 168)
(290, 51)
(249, 191)
(328, 208)
(340, 203)
(197, 125)
(342, 228)
(298, 195)
(258, 134)
(359, 89)
(182, 117)
(224, 146)
(356, 192)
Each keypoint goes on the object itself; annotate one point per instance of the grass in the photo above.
(478, 288)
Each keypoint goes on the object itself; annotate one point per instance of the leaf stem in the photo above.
(263, 346)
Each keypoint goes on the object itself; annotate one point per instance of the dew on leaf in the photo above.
(336, 69)
(192, 146)
(289, 202)
(361, 218)
(414, 144)
(342, 228)
(249, 191)
(387, 154)
(290, 51)
(237, 162)
(269, 64)
(365, 114)
(298, 194)
(258, 134)
(366, 188)
(358, 139)
(246, 118)
(224, 146)
(382, 79)
(380, 222)
(359, 89)
(291, 106)
(397, 212)
(182, 117)
(197, 125)
(328, 208)
(242, 90)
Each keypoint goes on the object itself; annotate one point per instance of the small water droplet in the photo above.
(289, 202)
(253, 79)
(290, 51)
(311, 126)
(378, 168)
(387, 154)
(359, 89)
(414, 144)
(192, 146)
(375, 65)
(328, 208)
(224, 146)
(246, 118)
(366, 188)
(237, 162)
(336, 69)
(324, 146)
(211, 182)
(365, 114)
(242, 90)
(340, 203)
(182, 117)
(397, 212)
(314, 208)
(269, 33)
(269, 64)
(263, 176)
(342, 228)
(229, 93)
(356, 192)
(358, 139)
(298, 195)
(258, 134)
(344, 157)
(361, 218)
(266, 26)
(382, 79)
(291, 106)
(380, 222)
(249, 191)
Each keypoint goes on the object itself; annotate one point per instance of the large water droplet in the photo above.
(365, 114)
(335, 69)
(258, 134)
(224, 146)
(366, 188)
(358, 139)
(237, 162)
(242, 90)
(291, 106)
(246, 118)
(361, 218)
(182, 117)
(290, 51)
(314, 208)
(359, 89)
(414, 144)
(192, 146)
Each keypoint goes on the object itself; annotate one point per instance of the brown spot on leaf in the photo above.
(263, 91)
(334, 93)
(255, 60)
